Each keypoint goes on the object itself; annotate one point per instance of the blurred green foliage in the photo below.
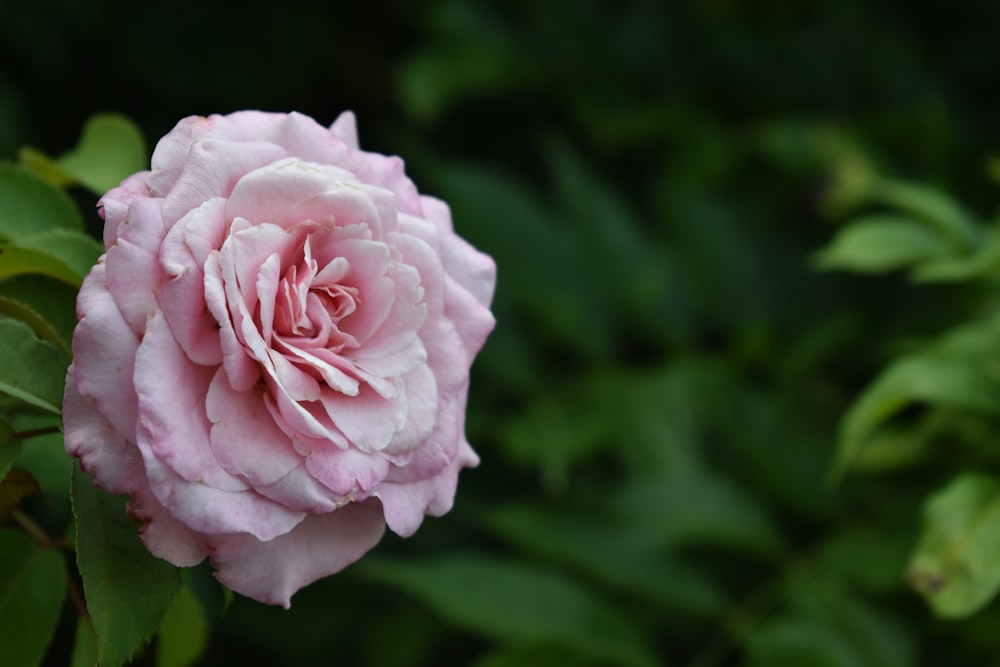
(659, 409)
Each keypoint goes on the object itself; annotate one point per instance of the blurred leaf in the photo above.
(16, 261)
(959, 371)
(616, 553)
(30, 369)
(29, 206)
(128, 590)
(111, 148)
(823, 624)
(637, 274)
(45, 458)
(509, 601)
(15, 487)
(75, 249)
(54, 301)
(84, 644)
(32, 588)
(956, 565)
(699, 508)
(41, 328)
(881, 243)
(183, 636)
(561, 429)
(872, 559)
(534, 656)
(935, 207)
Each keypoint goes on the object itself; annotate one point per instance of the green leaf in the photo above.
(32, 588)
(84, 644)
(74, 249)
(956, 565)
(39, 325)
(823, 624)
(31, 369)
(882, 243)
(54, 301)
(616, 553)
(16, 261)
(935, 207)
(128, 590)
(511, 601)
(45, 458)
(183, 635)
(958, 371)
(110, 149)
(29, 205)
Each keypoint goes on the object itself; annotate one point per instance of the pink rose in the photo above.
(273, 354)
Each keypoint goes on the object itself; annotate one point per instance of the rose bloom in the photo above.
(272, 357)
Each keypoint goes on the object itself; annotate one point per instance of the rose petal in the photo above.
(345, 128)
(347, 471)
(471, 269)
(244, 438)
(406, 503)
(211, 169)
(271, 572)
(182, 296)
(104, 348)
(276, 192)
(174, 427)
(242, 371)
(104, 454)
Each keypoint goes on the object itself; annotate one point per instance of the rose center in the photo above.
(312, 301)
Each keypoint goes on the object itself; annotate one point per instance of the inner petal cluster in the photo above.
(312, 301)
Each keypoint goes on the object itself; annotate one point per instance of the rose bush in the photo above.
(272, 356)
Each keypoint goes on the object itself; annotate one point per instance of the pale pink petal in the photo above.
(345, 128)
(368, 420)
(470, 268)
(104, 454)
(174, 428)
(369, 273)
(244, 438)
(300, 491)
(271, 572)
(406, 503)
(164, 535)
(212, 168)
(347, 471)
(269, 194)
(405, 318)
(182, 295)
(114, 206)
(472, 320)
(304, 138)
(420, 389)
(133, 274)
(242, 371)
(104, 348)
(208, 510)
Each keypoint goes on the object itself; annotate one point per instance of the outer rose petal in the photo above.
(104, 348)
(321, 545)
(406, 503)
(103, 452)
